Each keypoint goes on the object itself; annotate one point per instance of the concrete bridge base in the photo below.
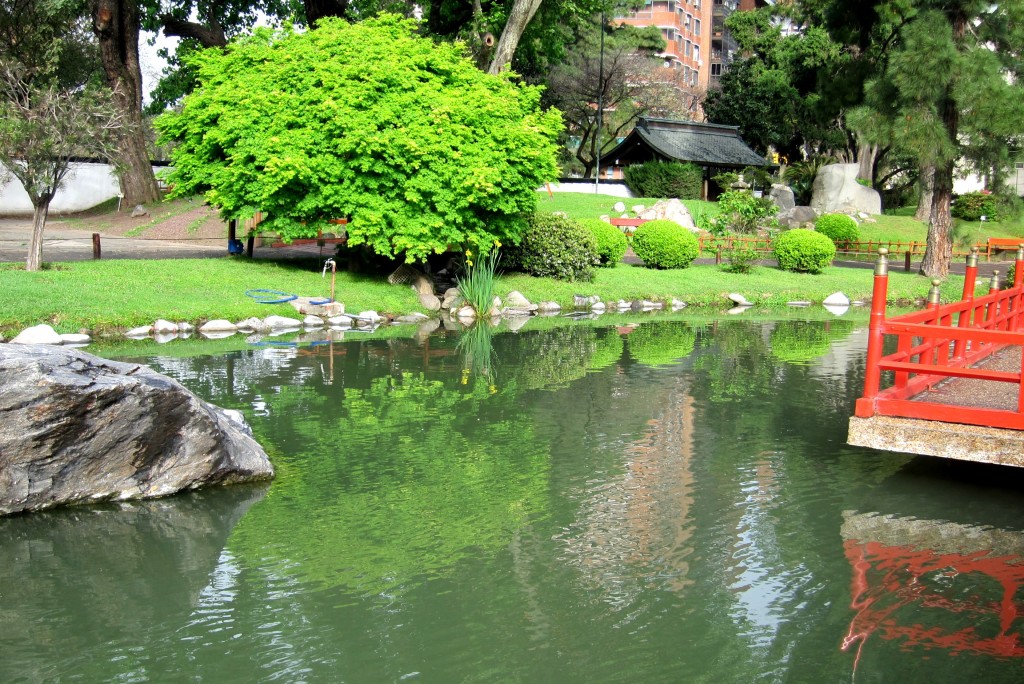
(933, 438)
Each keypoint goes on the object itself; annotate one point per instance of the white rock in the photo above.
(738, 299)
(340, 321)
(598, 307)
(837, 299)
(185, 327)
(218, 325)
(142, 331)
(38, 334)
(414, 317)
(516, 300)
(162, 326)
(677, 304)
(466, 312)
(619, 207)
(312, 321)
(252, 324)
(371, 316)
(282, 322)
(549, 306)
(75, 338)
(638, 208)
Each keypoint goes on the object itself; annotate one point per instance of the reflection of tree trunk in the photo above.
(35, 248)
(924, 203)
(116, 24)
(521, 14)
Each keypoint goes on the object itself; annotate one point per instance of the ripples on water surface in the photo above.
(668, 503)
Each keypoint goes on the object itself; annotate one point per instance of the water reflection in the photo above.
(81, 578)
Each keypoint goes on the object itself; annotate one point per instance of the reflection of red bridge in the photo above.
(975, 340)
(896, 584)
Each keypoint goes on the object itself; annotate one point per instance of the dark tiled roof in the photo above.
(689, 141)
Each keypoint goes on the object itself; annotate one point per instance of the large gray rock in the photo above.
(670, 210)
(782, 196)
(836, 190)
(75, 428)
(797, 217)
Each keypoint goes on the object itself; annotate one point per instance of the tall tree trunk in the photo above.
(116, 24)
(939, 249)
(866, 155)
(924, 203)
(521, 14)
(34, 260)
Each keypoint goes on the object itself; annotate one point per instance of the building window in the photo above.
(686, 22)
(688, 50)
(696, 53)
(671, 34)
(696, 27)
(716, 69)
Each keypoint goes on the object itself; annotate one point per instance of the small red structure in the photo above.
(941, 342)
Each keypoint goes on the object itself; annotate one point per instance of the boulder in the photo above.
(549, 307)
(141, 331)
(430, 302)
(782, 196)
(253, 324)
(619, 207)
(797, 217)
(670, 210)
(837, 299)
(75, 338)
(836, 190)
(76, 428)
(323, 307)
(516, 300)
(218, 325)
(37, 334)
(282, 323)
(738, 299)
(162, 326)
(139, 211)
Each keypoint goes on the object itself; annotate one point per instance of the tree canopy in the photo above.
(406, 138)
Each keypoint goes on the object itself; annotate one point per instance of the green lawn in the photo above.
(104, 295)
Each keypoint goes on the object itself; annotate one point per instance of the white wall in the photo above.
(86, 185)
(615, 189)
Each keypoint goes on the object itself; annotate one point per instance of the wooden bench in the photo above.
(628, 225)
(999, 244)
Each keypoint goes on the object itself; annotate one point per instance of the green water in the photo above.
(670, 503)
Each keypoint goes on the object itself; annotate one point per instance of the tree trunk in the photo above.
(866, 155)
(35, 248)
(521, 14)
(924, 203)
(116, 25)
(939, 250)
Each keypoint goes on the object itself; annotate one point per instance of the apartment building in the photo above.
(696, 40)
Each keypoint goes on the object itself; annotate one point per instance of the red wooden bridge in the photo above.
(975, 340)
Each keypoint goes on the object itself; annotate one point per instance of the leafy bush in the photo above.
(971, 206)
(611, 241)
(804, 251)
(405, 137)
(839, 227)
(665, 179)
(556, 247)
(1010, 275)
(665, 244)
(741, 212)
(740, 260)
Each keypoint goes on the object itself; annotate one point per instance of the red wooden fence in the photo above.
(944, 341)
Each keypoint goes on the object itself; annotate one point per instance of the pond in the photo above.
(665, 501)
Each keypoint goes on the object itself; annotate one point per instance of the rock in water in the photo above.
(75, 428)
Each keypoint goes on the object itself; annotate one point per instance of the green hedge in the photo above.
(665, 244)
(556, 247)
(971, 206)
(839, 227)
(611, 241)
(804, 251)
(665, 179)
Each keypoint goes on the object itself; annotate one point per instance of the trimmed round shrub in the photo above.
(665, 244)
(611, 241)
(556, 247)
(839, 227)
(971, 206)
(804, 251)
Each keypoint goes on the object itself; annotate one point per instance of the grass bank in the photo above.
(115, 294)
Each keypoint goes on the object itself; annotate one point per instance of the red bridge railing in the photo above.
(941, 342)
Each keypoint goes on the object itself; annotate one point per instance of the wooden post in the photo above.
(906, 260)
(1018, 280)
(249, 245)
(872, 376)
(96, 250)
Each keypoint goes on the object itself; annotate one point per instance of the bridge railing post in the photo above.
(1017, 322)
(970, 283)
(872, 375)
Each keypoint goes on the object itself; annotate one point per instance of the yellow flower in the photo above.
(469, 253)
(469, 262)
(497, 243)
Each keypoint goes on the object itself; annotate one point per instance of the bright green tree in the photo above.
(406, 138)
